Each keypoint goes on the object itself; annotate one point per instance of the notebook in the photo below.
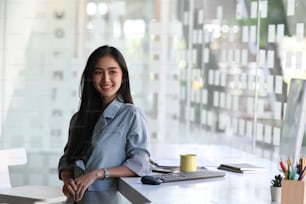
(242, 168)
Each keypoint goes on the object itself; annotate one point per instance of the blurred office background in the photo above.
(205, 72)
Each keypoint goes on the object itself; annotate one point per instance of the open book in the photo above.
(242, 168)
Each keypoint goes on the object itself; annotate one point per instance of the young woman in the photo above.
(108, 134)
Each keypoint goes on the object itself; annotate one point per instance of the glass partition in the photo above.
(210, 72)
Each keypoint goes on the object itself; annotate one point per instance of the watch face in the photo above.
(106, 173)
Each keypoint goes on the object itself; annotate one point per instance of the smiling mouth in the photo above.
(106, 86)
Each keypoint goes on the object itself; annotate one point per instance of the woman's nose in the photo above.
(105, 77)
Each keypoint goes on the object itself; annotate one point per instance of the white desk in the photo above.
(234, 188)
(32, 194)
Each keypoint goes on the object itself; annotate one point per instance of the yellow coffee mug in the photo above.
(188, 163)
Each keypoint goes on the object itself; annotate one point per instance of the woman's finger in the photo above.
(69, 191)
(79, 192)
(73, 185)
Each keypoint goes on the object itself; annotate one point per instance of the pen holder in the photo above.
(293, 192)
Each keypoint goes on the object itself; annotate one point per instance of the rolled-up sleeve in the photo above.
(138, 156)
(63, 165)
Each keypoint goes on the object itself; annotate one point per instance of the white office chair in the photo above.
(10, 157)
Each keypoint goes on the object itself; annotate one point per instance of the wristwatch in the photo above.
(106, 173)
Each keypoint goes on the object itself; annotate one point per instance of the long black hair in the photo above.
(80, 133)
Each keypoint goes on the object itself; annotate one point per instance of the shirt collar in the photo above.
(112, 109)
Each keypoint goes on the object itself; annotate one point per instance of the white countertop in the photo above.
(234, 188)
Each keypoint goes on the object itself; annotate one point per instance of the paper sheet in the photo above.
(202, 162)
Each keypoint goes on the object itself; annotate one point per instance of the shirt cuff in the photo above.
(139, 164)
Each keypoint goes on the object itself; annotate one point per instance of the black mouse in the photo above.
(151, 180)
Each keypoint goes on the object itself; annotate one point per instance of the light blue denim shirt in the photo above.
(119, 138)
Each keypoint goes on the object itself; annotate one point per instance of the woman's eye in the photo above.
(97, 72)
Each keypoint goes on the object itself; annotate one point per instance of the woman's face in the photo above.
(107, 78)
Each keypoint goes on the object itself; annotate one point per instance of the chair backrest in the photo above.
(10, 157)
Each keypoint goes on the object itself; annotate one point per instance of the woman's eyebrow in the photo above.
(107, 68)
(112, 67)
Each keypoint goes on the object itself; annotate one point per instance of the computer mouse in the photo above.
(151, 180)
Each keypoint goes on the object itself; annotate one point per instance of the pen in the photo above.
(153, 162)
(302, 178)
(302, 174)
(288, 162)
(283, 166)
(289, 174)
(289, 170)
(294, 175)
